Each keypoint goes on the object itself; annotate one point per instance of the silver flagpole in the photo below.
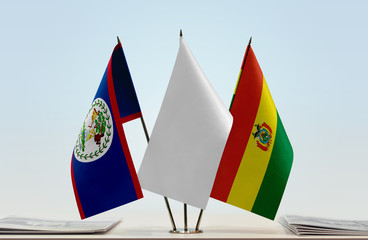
(199, 220)
(185, 205)
(170, 214)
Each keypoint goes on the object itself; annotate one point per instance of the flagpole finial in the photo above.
(118, 39)
(181, 33)
(250, 41)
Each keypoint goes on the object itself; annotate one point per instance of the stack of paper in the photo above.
(42, 226)
(322, 226)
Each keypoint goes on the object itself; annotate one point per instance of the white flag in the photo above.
(188, 138)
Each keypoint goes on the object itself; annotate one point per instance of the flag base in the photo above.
(182, 231)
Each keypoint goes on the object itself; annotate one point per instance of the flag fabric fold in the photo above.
(102, 170)
(258, 156)
(188, 138)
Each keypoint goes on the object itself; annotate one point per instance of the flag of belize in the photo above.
(102, 170)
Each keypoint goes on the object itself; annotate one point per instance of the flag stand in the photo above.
(186, 230)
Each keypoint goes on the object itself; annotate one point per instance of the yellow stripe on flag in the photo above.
(254, 163)
(237, 83)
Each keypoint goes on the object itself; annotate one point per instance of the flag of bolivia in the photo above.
(257, 158)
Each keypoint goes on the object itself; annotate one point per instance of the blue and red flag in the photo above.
(102, 170)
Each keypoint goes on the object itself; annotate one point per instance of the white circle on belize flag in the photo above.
(96, 134)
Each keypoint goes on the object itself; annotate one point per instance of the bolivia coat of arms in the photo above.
(263, 136)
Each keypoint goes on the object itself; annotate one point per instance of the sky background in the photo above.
(313, 55)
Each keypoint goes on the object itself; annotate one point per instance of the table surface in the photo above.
(219, 226)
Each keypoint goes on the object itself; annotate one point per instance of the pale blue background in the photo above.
(312, 53)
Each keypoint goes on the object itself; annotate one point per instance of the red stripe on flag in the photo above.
(81, 213)
(117, 47)
(131, 117)
(244, 110)
(123, 141)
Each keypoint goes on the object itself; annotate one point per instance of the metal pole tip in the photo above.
(181, 33)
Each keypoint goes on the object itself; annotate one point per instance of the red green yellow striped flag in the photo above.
(257, 158)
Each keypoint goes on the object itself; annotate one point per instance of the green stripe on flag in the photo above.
(232, 100)
(276, 176)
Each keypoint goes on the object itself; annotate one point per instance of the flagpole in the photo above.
(185, 218)
(246, 54)
(241, 71)
(145, 128)
(185, 205)
(170, 213)
(199, 220)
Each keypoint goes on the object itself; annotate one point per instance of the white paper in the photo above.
(36, 225)
(321, 226)
(188, 138)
